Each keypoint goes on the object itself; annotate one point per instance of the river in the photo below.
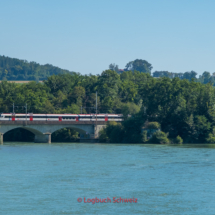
(49, 178)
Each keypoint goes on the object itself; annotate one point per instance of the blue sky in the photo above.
(87, 35)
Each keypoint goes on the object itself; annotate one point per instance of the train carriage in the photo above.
(60, 117)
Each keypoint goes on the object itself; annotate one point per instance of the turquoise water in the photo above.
(48, 179)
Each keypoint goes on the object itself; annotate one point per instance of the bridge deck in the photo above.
(52, 123)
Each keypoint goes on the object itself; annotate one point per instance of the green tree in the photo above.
(206, 77)
(114, 67)
(203, 128)
(159, 137)
(190, 75)
(178, 140)
(129, 108)
(73, 109)
(153, 125)
(139, 65)
(144, 136)
(108, 84)
(77, 95)
(211, 136)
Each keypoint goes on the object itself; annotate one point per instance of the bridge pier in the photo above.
(1, 138)
(98, 128)
(42, 138)
(93, 136)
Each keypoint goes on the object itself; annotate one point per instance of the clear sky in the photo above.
(87, 35)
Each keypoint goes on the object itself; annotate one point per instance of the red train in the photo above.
(61, 117)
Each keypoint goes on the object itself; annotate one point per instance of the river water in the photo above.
(48, 179)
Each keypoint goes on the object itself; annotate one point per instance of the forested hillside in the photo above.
(15, 69)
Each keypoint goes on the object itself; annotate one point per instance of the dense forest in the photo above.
(182, 108)
(73, 93)
(15, 69)
(179, 109)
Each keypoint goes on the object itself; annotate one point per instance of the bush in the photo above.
(117, 134)
(159, 137)
(103, 138)
(144, 136)
(113, 133)
(132, 130)
(178, 140)
(211, 138)
(65, 135)
(153, 125)
(129, 108)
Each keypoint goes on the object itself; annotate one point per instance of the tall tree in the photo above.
(108, 84)
(190, 75)
(206, 77)
(139, 65)
(114, 67)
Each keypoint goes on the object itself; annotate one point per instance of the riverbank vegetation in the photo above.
(181, 107)
(185, 111)
(184, 108)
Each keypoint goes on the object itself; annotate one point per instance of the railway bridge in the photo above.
(43, 129)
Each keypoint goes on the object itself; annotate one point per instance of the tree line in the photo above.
(76, 93)
(205, 78)
(146, 67)
(182, 108)
(15, 69)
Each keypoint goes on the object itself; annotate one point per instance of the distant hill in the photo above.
(15, 69)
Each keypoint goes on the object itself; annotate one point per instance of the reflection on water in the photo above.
(199, 145)
(48, 178)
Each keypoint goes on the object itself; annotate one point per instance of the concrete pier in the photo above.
(42, 138)
(1, 138)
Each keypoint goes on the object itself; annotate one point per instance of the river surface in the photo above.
(48, 179)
